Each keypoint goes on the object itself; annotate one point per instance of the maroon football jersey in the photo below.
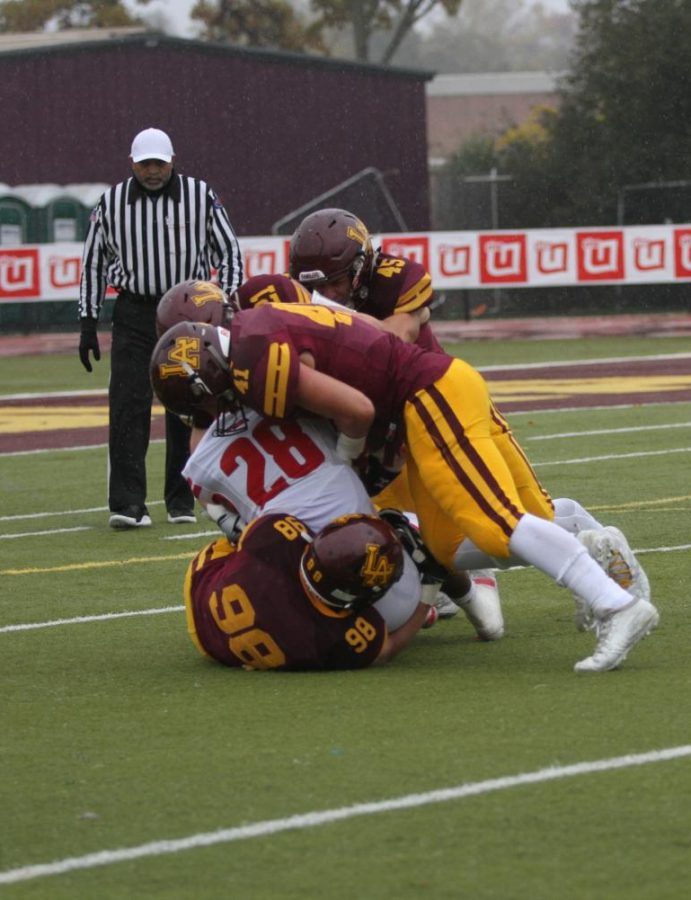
(248, 608)
(400, 285)
(266, 344)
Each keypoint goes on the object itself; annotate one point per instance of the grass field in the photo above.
(133, 768)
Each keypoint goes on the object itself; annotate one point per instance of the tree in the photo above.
(624, 119)
(365, 17)
(34, 15)
(275, 23)
(493, 36)
(258, 23)
(625, 116)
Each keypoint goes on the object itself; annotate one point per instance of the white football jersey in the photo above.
(290, 466)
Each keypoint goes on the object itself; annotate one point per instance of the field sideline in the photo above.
(134, 768)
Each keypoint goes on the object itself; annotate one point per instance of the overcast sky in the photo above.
(177, 12)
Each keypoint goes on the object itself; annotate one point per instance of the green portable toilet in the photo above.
(16, 226)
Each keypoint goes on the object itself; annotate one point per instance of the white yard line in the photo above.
(318, 818)
(65, 512)
(40, 395)
(9, 537)
(577, 434)
(585, 459)
(580, 362)
(81, 620)
(68, 449)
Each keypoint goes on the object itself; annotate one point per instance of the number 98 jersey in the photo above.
(246, 606)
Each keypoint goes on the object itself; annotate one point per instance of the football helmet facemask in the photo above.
(192, 301)
(190, 373)
(352, 562)
(330, 243)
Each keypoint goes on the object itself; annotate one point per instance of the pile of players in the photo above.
(323, 409)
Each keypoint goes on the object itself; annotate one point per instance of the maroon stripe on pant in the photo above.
(456, 468)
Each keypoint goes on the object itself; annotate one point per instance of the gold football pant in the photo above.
(466, 473)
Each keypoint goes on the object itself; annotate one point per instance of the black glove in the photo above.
(429, 570)
(88, 341)
(374, 475)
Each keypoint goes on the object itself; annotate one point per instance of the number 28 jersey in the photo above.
(289, 466)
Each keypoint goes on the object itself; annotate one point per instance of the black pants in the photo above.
(130, 397)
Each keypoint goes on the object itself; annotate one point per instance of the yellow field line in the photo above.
(109, 564)
(636, 504)
(105, 564)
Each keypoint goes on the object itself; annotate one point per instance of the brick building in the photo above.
(461, 106)
(269, 130)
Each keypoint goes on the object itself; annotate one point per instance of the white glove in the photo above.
(229, 522)
(348, 448)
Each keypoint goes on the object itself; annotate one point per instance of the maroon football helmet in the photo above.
(352, 562)
(330, 243)
(261, 289)
(190, 372)
(192, 301)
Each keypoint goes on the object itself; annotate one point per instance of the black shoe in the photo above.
(181, 517)
(130, 517)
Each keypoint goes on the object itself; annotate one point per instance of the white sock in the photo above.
(568, 514)
(557, 553)
(571, 516)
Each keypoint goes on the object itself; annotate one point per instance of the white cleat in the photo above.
(610, 550)
(482, 606)
(446, 608)
(583, 615)
(617, 633)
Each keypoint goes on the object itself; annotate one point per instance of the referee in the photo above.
(147, 234)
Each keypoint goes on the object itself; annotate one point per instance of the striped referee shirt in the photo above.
(145, 243)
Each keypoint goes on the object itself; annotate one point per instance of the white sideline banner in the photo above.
(539, 257)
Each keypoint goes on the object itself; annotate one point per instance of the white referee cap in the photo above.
(152, 143)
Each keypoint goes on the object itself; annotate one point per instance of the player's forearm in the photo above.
(402, 636)
(407, 326)
(350, 410)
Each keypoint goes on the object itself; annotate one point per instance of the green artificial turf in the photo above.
(116, 733)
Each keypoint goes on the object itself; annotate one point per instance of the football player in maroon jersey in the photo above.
(464, 483)
(331, 251)
(395, 299)
(287, 600)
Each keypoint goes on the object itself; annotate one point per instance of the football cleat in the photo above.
(617, 633)
(432, 617)
(482, 606)
(610, 550)
(445, 607)
(583, 615)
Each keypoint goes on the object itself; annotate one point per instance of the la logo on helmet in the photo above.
(183, 356)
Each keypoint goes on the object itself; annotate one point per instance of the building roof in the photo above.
(79, 39)
(493, 83)
(30, 40)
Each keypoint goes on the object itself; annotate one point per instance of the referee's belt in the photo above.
(144, 299)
